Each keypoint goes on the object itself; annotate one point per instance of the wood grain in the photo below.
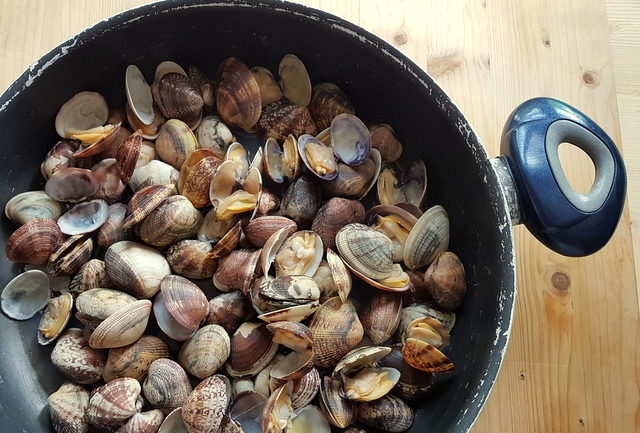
(572, 364)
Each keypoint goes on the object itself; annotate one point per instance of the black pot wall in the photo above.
(383, 85)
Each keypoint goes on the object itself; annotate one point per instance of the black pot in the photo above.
(483, 199)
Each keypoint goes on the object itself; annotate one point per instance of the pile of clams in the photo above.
(190, 285)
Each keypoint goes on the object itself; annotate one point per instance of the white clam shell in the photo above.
(84, 217)
(25, 295)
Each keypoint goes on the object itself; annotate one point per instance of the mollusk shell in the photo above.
(73, 356)
(31, 205)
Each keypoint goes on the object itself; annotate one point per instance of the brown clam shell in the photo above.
(173, 220)
(34, 241)
(414, 384)
(144, 201)
(282, 118)
(301, 200)
(445, 281)
(73, 356)
(112, 230)
(227, 243)
(327, 101)
(252, 349)
(237, 271)
(177, 98)
(108, 174)
(70, 255)
(127, 155)
(175, 142)
(202, 411)
(143, 422)
(267, 203)
(260, 229)
(238, 98)
(60, 156)
(184, 301)
(123, 327)
(384, 139)
(112, 404)
(382, 316)
(189, 258)
(72, 184)
(205, 352)
(388, 414)
(167, 385)
(68, 407)
(423, 356)
(304, 389)
(95, 305)
(230, 310)
(134, 360)
(196, 174)
(340, 412)
(202, 83)
(335, 214)
(351, 182)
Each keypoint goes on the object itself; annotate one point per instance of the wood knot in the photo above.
(591, 78)
(400, 37)
(560, 281)
(547, 43)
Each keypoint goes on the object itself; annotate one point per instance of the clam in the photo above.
(59, 156)
(428, 237)
(200, 81)
(167, 385)
(213, 229)
(73, 357)
(189, 258)
(339, 274)
(382, 316)
(445, 281)
(30, 205)
(304, 388)
(149, 132)
(414, 384)
(282, 118)
(72, 184)
(97, 140)
(339, 411)
(282, 163)
(58, 284)
(127, 155)
(122, 327)
(134, 360)
(215, 135)
(112, 404)
(301, 201)
(359, 358)
(202, 411)
(365, 250)
(223, 182)
(286, 291)
(204, 353)
(387, 414)
(355, 182)
(263, 383)
(178, 99)
(252, 349)
(238, 98)
(294, 80)
(296, 313)
(318, 157)
(384, 139)
(241, 385)
(240, 157)
(173, 423)
(68, 408)
(324, 279)
(91, 275)
(228, 204)
(269, 89)
(336, 330)
(84, 217)
(260, 229)
(429, 330)
(34, 241)
(25, 295)
(271, 247)
(227, 243)
(166, 67)
(395, 223)
(143, 422)
(181, 308)
(350, 139)
(328, 101)
(335, 214)
(246, 410)
(370, 383)
(95, 305)
(300, 254)
(147, 154)
(277, 410)
(111, 231)
(296, 337)
(55, 318)
(175, 142)
(173, 220)
(196, 174)
(237, 270)
(230, 310)
(423, 356)
(144, 201)
(154, 172)
(412, 189)
(83, 111)
(136, 268)
(139, 96)
(107, 172)
(416, 311)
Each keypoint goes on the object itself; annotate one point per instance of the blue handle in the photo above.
(564, 220)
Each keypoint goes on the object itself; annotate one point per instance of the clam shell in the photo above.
(301, 200)
(70, 255)
(123, 327)
(223, 182)
(394, 222)
(167, 385)
(144, 201)
(269, 89)
(175, 142)
(294, 80)
(55, 318)
(277, 410)
(340, 412)
(297, 337)
(304, 389)
(173, 220)
(428, 237)
(296, 313)
(285, 163)
(350, 139)
(355, 182)
(358, 359)
(143, 422)
(95, 305)
(246, 410)
(309, 420)
(366, 250)
(84, 217)
(34, 241)
(147, 154)
(139, 96)
(252, 349)
(73, 357)
(134, 360)
(260, 229)
(215, 135)
(196, 174)
(155, 172)
(300, 254)
(271, 247)
(238, 98)
(415, 311)
(415, 183)
(384, 139)
(336, 330)
(287, 291)
(25, 295)
(227, 243)
(149, 132)
(178, 99)
(236, 271)
(382, 316)
(204, 353)
(213, 229)
(30, 205)
(68, 407)
(423, 356)
(388, 414)
(230, 310)
(112, 404)
(166, 67)
(414, 384)
(202, 411)
(84, 110)
(108, 174)
(240, 157)
(445, 281)
(189, 258)
(282, 118)
(136, 268)
(335, 214)
(430, 331)
(325, 280)
(370, 384)
(127, 155)
(328, 162)
(167, 323)
(200, 81)
(72, 184)
(111, 231)
(185, 301)
(339, 274)
(173, 423)
(97, 140)
(59, 156)
(328, 101)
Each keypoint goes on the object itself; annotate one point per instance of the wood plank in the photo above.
(572, 364)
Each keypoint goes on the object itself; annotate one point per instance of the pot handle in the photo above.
(568, 222)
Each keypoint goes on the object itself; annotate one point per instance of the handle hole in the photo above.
(577, 166)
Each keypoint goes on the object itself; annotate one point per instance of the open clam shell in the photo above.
(286, 291)
(246, 410)
(296, 313)
(430, 331)
(97, 140)
(227, 243)
(269, 89)
(213, 228)
(395, 223)
(223, 182)
(370, 384)
(299, 254)
(340, 412)
(294, 80)
(318, 157)
(340, 275)
(55, 318)
(277, 410)
(84, 217)
(240, 157)
(296, 337)
(423, 356)
(350, 139)
(359, 358)
(412, 189)
(25, 295)
(85, 110)
(271, 247)
(139, 95)
(31, 205)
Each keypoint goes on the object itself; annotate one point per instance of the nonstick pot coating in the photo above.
(384, 87)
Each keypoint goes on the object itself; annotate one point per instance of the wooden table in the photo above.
(573, 363)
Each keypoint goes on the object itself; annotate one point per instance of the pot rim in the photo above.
(445, 103)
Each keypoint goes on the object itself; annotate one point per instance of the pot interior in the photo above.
(384, 87)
